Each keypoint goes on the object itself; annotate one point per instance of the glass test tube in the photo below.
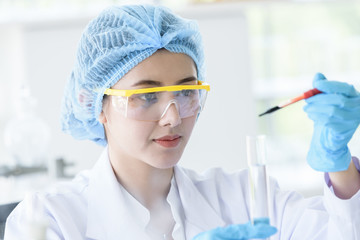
(256, 156)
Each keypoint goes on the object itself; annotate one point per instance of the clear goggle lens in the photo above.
(152, 106)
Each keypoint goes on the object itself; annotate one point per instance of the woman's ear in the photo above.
(102, 117)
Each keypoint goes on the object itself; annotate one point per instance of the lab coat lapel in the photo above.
(199, 214)
(108, 217)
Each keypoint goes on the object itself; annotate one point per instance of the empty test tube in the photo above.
(256, 156)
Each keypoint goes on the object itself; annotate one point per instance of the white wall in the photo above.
(219, 137)
(47, 56)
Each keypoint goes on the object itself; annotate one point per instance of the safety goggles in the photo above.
(151, 104)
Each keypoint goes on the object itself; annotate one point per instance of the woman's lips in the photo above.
(168, 141)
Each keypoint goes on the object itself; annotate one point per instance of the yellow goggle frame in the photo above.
(174, 88)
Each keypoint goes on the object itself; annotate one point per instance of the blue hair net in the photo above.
(111, 45)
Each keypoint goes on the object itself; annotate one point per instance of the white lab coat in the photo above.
(95, 206)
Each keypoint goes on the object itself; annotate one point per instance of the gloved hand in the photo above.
(336, 116)
(238, 232)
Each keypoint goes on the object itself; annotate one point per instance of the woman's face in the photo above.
(159, 144)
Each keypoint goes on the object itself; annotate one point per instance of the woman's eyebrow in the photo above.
(185, 80)
(147, 82)
(158, 83)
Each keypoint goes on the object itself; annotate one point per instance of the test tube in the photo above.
(256, 156)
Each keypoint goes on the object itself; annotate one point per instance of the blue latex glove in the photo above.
(239, 232)
(336, 116)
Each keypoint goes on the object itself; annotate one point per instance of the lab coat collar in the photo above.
(200, 216)
(177, 210)
(108, 216)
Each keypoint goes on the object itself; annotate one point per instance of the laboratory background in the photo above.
(258, 54)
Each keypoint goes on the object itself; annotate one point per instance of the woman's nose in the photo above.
(171, 115)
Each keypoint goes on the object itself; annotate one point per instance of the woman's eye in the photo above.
(149, 97)
(187, 93)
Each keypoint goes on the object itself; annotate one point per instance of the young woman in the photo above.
(138, 88)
